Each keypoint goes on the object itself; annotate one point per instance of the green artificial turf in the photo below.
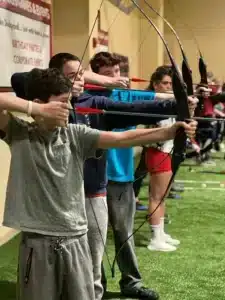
(8, 269)
(195, 271)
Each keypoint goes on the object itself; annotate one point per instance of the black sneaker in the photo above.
(140, 293)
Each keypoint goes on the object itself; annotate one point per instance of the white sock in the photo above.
(156, 231)
(162, 226)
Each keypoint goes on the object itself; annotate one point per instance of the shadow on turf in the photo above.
(7, 290)
(115, 295)
(141, 241)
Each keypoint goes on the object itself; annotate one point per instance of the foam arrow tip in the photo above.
(88, 110)
(135, 79)
(94, 87)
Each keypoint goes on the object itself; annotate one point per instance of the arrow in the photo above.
(94, 111)
(95, 87)
(135, 79)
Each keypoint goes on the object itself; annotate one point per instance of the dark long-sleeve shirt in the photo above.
(95, 178)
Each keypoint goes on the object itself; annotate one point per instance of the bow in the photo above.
(187, 73)
(186, 70)
(181, 96)
(201, 66)
(180, 93)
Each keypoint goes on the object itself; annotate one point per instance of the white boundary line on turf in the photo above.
(198, 181)
(204, 188)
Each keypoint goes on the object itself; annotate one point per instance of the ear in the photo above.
(154, 85)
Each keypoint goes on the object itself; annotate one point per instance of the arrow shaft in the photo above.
(146, 115)
(160, 116)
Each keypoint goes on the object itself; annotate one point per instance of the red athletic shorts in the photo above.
(157, 161)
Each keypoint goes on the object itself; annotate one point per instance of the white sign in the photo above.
(25, 37)
(102, 42)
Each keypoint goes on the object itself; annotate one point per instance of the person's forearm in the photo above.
(145, 136)
(94, 78)
(137, 137)
(12, 103)
(164, 96)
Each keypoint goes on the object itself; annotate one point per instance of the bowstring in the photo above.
(85, 49)
(70, 97)
(172, 177)
(106, 32)
(69, 102)
(148, 216)
(175, 67)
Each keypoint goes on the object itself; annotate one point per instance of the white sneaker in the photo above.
(169, 240)
(159, 245)
(213, 151)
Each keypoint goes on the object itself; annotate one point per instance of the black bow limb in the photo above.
(187, 75)
(183, 114)
(186, 70)
(203, 71)
(180, 92)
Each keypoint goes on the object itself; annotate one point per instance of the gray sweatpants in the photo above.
(97, 214)
(122, 207)
(54, 268)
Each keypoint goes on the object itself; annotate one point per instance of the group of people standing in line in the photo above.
(63, 186)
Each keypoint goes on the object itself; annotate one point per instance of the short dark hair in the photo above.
(158, 75)
(164, 67)
(57, 61)
(103, 59)
(42, 84)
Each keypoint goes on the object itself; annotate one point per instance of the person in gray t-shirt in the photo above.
(45, 193)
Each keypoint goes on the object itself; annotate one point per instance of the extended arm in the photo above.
(143, 136)
(53, 110)
(155, 107)
(119, 121)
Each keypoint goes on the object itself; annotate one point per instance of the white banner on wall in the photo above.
(25, 37)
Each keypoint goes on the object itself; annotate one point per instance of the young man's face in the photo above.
(113, 71)
(72, 69)
(163, 86)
